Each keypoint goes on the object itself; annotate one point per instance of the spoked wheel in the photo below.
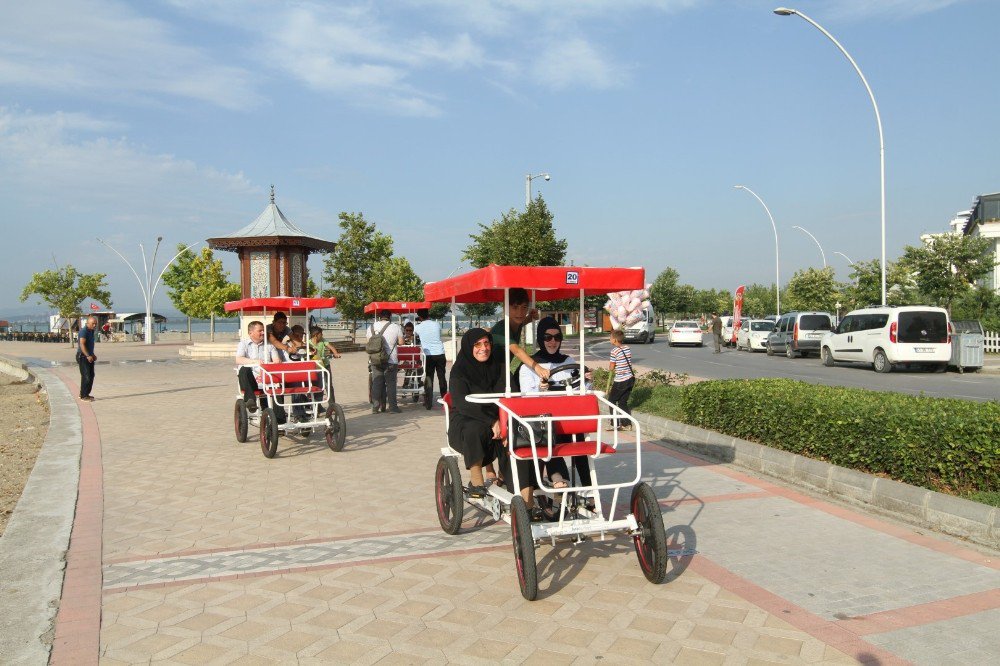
(268, 433)
(427, 400)
(241, 420)
(448, 494)
(651, 540)
(524, 549)
(336, 428)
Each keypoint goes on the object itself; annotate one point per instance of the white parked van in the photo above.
(644, 330)
(888, 336)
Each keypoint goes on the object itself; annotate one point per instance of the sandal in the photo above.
(476, 492)
(537, 514)
(560, 484)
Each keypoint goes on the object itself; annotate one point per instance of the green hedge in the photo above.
(941, 444)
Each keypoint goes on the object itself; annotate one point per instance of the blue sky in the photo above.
(132, 120)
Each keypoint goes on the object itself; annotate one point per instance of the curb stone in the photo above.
(979, 523)
(33, 547)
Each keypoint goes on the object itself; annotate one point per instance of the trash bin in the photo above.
(968, 344)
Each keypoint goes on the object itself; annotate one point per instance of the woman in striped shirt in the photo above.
(621, 366)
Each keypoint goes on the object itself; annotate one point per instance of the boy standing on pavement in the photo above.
(428, 332)
(86, 358)
(624, 376)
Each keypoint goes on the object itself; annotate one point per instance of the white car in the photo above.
(752, 334)
(727, 330)
(685, 333)
(889, 336)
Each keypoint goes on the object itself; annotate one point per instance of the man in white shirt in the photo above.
(429, 332)
(384, 379)
(250, 353)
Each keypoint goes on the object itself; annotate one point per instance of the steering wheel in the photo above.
(573, 381)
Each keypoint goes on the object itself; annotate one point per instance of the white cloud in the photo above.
(860, 9)
(576, 63)
(107, 49)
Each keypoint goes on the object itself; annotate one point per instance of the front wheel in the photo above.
(524, 549)
(336, 428)
(770, 350)
(881, 362)
(268, 433)
(241, 420)
(827, 357)
(651, 539)
(448, 494)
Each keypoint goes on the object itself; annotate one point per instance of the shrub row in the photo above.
(940, 444)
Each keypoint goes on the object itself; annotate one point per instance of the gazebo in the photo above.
(273, 254)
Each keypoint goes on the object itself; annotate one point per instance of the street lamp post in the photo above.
(849, 260)
(784, 11)
(777, 272)
(527, 186)
(149, 287)
(821, 252)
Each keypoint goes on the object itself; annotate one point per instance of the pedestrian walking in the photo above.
(384, 377)
(428, 332)
(86, 358)
(716, 327)
(623, 374)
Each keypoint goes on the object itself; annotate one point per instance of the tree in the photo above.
(349, 269)
(981, 303)
(64, 289)
(867, 287)
(439, 310)
(210, 289)
(947, 266)
(478, 311)
(518, 239)
(665, 294)
(394, 280)
(812, 289)
(687, 297)
(179, 280)
(759, 301)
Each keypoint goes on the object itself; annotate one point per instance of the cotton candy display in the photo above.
(625, 307)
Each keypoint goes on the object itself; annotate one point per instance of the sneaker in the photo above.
(294, 418)
(87, 398)
(251, 403)
(395, 410)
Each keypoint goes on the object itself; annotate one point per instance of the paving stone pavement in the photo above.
(211, 553)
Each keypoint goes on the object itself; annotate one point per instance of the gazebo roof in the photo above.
(270, 228)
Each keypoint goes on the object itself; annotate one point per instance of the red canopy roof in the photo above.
(396, 307)
(550, 283)
(288, 304)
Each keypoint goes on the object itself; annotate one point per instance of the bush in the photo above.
(655, 392)
(941, 444)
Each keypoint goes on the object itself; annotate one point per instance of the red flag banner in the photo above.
(737, 310)
(95, 306)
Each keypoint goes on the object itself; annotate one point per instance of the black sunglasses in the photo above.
(549, 337)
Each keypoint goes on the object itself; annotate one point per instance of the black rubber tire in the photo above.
(789, 352)
(428, 403)
(524, 549)
(651, 542)
(651, 338)
(644, 339)
(827, 356)
(881, 362)
(241, 420)
(336, 428)
(943, 367)
(268, 433)
(670, 344)
(770, 349)
(448, 494)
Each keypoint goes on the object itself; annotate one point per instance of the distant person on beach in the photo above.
(86, 358)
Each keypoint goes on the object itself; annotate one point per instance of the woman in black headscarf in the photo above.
(474, 426)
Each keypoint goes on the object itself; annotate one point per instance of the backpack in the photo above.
(377, 355)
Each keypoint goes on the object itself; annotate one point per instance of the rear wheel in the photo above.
(241, 420)
(524, 549)
(789, 352)
(448, 494)
(268, 433)
(651, 539)
(770, 350)
(881, 362)
(336, 428)
(827, 357)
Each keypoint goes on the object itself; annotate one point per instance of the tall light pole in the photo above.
(849, 260)
(821, 252)
(784, 11)
(527, 186)
(149, 287)
(777, 272)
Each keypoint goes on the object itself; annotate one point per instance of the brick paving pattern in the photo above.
(213, 554)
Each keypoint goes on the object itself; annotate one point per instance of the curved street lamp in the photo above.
(149, 288)
(527, 185)
(777, 273)
(821, 252)
(784, 11)
(849, 260)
